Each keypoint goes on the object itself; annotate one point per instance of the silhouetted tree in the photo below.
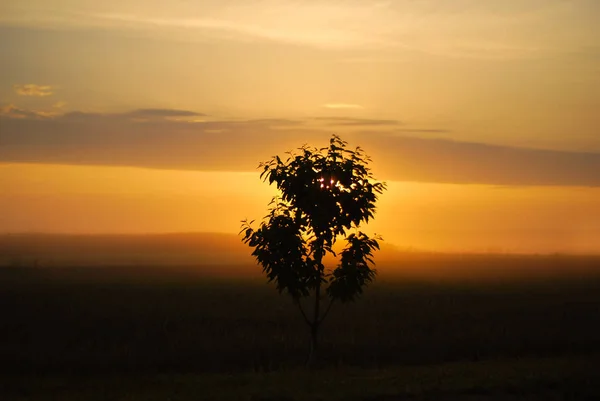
(326, 193)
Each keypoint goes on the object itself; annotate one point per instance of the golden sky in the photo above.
(151, 116)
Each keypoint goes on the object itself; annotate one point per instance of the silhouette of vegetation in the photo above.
(326, 193)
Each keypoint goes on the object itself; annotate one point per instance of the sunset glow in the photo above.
(146, 117)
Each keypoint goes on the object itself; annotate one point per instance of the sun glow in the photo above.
(480, 116)
(56, 198)
(329, 183)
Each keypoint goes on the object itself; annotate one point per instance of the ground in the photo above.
(127, 334)
(566, 378)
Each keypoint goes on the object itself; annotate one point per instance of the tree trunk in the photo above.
(314, 331)
(316, 319)
(314, 346)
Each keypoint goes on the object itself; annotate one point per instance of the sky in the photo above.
(137, 116)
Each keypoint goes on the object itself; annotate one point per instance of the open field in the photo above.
(547, 379)
(151, 333)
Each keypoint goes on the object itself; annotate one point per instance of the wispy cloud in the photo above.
(134, 115)
(342, 106)
(162, 113)
(33, 90)
(115, 139)
(57, 112)
(14, 112)
(459, 28)
(165, 113)
(354, 122)
(423, 130)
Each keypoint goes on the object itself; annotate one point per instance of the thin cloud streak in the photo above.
(348, 121)
(33, 90)
(461, 28)
(13, 112)
(164, 113)
(423, 130)
(338, 106)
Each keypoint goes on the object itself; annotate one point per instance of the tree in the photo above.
(326, 194)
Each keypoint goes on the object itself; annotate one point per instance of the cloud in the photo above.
(174, 118)
(348, 121)
(14, 112)
(268, 122)
(33, 90)
(164, 113)
(117, 139)
(447, 161)
(423, 130)
(239, 145)
(138, 115)
(459, 28)
(342, 106)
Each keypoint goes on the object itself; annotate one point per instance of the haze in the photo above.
(147, 117)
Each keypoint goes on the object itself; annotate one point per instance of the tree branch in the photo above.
(297, 302)
(326, 311)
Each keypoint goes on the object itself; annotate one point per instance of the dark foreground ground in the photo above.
(73, 334)
(558, 378)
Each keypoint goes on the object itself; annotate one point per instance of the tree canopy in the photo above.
(326, 193)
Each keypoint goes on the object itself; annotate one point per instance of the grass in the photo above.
(83, 334)
(506, 379)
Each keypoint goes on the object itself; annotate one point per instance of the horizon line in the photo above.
(406, 249)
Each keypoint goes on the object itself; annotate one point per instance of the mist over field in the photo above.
(224, 255)
(493, 325)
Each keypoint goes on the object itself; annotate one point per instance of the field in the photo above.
(133, 333)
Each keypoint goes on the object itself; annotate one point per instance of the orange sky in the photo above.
(428, 216)
(135, 116)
